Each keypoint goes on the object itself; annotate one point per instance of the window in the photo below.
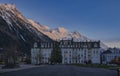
(96, 52)
(65, 58)
(95, 45)
(81, 55)
(93, 51)
(70, 61)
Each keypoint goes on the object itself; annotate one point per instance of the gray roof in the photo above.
(107, 52)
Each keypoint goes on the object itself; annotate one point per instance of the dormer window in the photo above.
(89, 45)
(95, 45)
(35, 45)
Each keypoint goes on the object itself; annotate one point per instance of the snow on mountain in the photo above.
(54, 34)
(76, 36)
(16, 22)
(103, 45)
(61, 33)
(58, 33)
(9, 13)
(113, 44)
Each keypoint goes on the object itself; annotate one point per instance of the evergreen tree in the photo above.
(56, 56)
(11, 57)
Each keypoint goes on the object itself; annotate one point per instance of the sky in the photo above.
(96, 19)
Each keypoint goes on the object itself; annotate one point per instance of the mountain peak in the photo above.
(10, 13)
(8, 6)
(77, 33)
(61, 30)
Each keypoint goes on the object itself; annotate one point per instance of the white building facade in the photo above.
(109, 55)
(72, 52)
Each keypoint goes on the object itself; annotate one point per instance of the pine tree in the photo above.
(56, 56)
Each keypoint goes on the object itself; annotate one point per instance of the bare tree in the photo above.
(11, 59)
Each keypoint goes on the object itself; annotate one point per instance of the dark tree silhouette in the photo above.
(11, 57)
(56, 56)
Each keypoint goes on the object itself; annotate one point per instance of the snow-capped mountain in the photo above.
(61, 33)
(16, 21)
(15, 28)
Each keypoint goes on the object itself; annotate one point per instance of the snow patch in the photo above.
(22, 38)
(113, 44)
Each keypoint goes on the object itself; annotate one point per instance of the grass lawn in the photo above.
(1, 63)
(97, 65)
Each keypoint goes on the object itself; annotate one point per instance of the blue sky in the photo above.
(97, 19)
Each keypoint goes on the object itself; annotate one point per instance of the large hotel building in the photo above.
(72, 52)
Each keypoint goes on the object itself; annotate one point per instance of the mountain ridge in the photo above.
(26, 31)
(61, 33)
(16, 29)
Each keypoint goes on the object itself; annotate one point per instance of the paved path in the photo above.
(23, 66)
(61, 70)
